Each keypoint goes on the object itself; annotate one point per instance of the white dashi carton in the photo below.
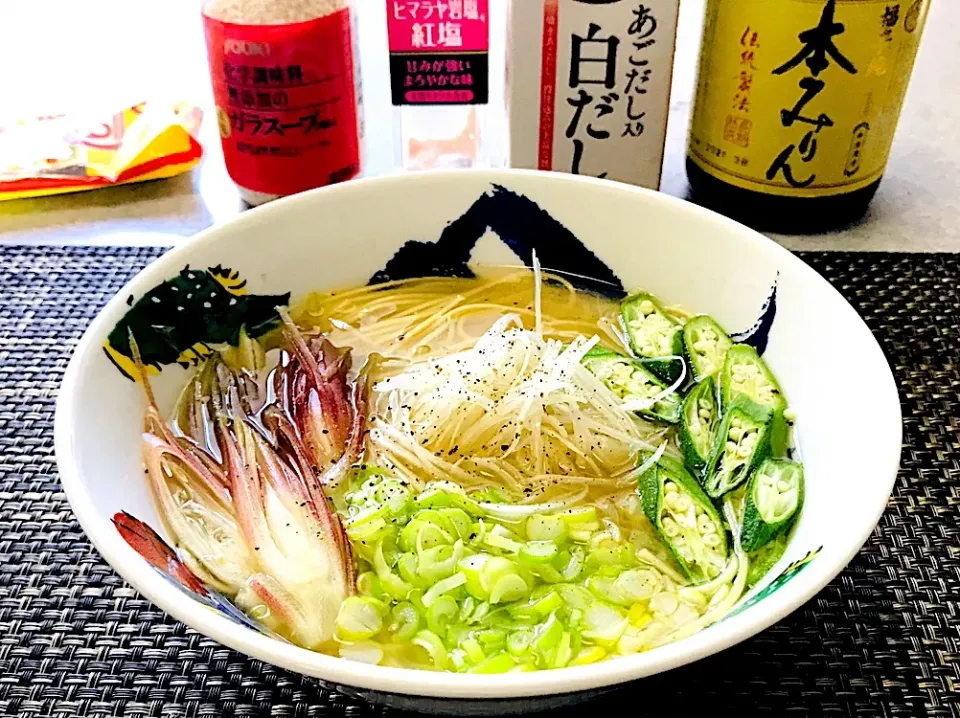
(589, 86)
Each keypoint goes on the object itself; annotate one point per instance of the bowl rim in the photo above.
(138, 573)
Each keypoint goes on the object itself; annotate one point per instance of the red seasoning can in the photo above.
(285, 84)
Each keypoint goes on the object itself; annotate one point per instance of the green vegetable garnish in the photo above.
(773, 500)
(653, 334)
(745, 374)
(685, 518)
(699, 424)
(635, 384)
(705, 346)
(743, 441)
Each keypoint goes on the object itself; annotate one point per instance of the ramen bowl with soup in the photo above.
(478, 442)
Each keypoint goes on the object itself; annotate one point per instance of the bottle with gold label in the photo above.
(796, 107)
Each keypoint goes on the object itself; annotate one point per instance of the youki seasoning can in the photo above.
(286, 89)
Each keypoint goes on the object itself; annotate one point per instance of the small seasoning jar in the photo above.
(285, 84)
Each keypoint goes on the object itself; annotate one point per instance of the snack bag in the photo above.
(58, 154)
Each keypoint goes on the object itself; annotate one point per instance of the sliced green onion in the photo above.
(548, 635)
(369, 585)
(441, 587)
(522, 611)
(430, 535)
(407, 566)
(545, 528)
(481, 612)
(393, 494)
(434, 528)
(493, 570)
(459, 520)
(431, 643)
(600, 538)
(638, 584)
(519, 642)
(492, 638)
(358, 619)
(391, 583)
(443, 494)
(547, 573)
(367, 530)
(608, 590)
(582, 535)
(576, 641)
(454, 633)
(574, 566)
(371, 515)
(473, 650)
(440, 613)
(471, 568)
(440, 561)
(432, 498)
(548, 604)
(564, 652)
(539, 592)
(483, 594)
(603, 624)
(522, 623)
(501, 530)
(457, 659)
(382, 607)
(502, 542)
(466, 608)
(501, 663)
(390, 550)
(606, 553)
(510, 587)
(575, 596)
(632, 641)
(580, 515)
(538, 551)
(406, 621)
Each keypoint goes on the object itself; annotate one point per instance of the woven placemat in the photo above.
(882, 639)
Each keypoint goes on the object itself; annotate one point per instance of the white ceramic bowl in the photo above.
(829, 364)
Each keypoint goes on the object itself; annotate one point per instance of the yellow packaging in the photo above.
(59, 154)
(802, 97)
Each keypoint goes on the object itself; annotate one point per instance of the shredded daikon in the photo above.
(654, 458)
(514, 404)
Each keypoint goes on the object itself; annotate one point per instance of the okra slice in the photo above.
(699, 422)
(762, 560)
(774, 498)
(632, 382)
(746, 374)
(653, 334)
(685, 518)
(705, 345)
(742, 443)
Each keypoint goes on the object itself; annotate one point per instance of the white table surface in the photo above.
(58, 55)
